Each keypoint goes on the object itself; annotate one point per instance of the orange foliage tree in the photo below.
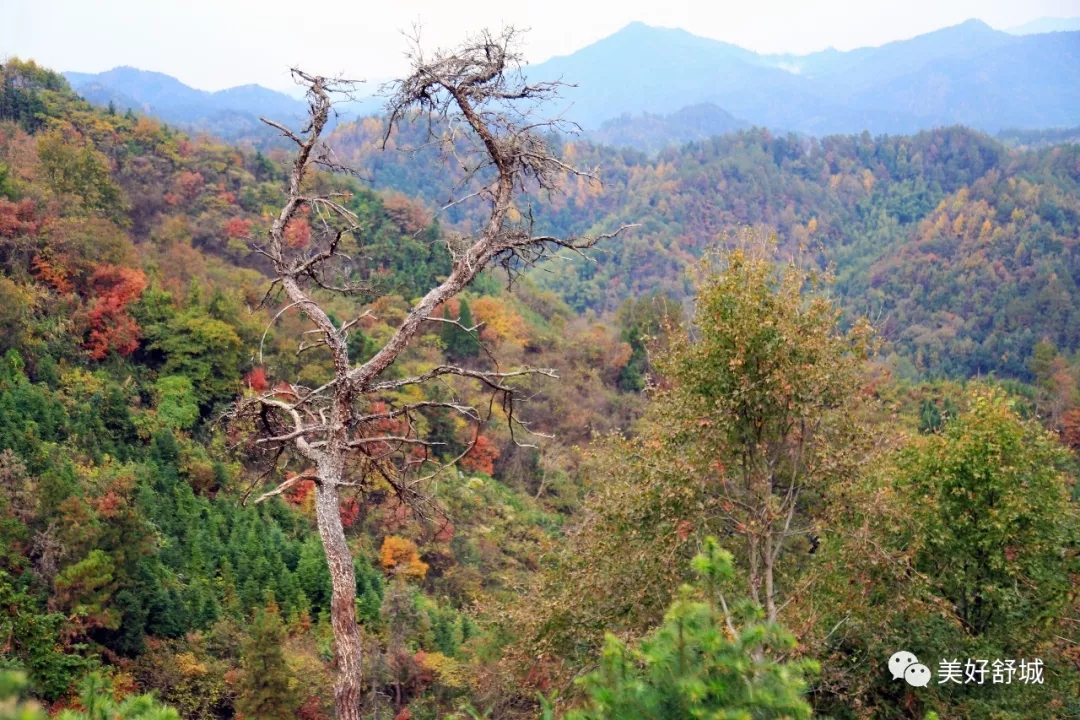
(400, 555)
(298, 233)
(1070, 429)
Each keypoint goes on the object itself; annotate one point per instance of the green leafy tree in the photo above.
(644, 320)
(757, 418)
(370, 588)
(707, 660)
(35, 642)
(265, 689)
(765, 391)
(959, 545)
(73, 166)
(992, 501)
(24, 88)
(177, 405)
(84, 591)
(7, 186)
(930, 419)
(12, 707)
(313, 575)
(206, 351)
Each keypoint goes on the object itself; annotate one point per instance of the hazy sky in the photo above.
(212, 44)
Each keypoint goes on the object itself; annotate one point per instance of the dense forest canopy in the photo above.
(819, 405)
(965, 250)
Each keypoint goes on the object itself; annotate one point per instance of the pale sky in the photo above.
(213, 44)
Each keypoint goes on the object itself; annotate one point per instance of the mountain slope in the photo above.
(1029, 83)
(839, 74)
(653, 132)
(1047, 25)
(658, 70)
(130, 318)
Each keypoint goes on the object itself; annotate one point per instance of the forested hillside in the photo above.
(740, 496)
(127, 295)
(964, 250)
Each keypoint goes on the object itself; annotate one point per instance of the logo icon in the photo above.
(899, 662)
(917, 675)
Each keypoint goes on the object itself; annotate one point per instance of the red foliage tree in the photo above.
(18, 218)
(256, 380)
(311, 710)
(445, 533)
(482, 456)
(1070, 428)
(237, 228)
(187, 187)
(350, 511)
(52, 273)
(224, 195)
(299, 492)
(110, 326)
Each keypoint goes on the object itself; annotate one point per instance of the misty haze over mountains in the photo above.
(648, 86)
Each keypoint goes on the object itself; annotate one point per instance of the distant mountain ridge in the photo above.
(968, 73)
(643, 82)
(232, 113)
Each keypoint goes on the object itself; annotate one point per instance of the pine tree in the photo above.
(264, 690)
(98, 702)
(706, 660)
(11, 706)
(460, 344)
(930, 420)
(313, 575)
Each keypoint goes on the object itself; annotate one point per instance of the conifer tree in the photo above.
(459, 343)
(265, 691)
(98, 703)
(11, 705)
(930, 419)
(707, 660)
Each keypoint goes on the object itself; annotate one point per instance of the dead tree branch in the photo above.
(349, 432)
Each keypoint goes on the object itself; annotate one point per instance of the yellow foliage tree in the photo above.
(400, 555)
(500, 321)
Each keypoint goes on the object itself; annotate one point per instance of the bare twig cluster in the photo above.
(484, 114)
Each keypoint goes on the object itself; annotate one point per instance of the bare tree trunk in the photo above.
(347, 648)
(754, 551)
(769, 558)
(322, 425)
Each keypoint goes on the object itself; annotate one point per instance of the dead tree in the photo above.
(480, 109)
